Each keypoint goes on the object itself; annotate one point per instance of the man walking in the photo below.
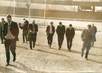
(70, 32)
(50, 30)
(10, 32)
(86, 38)
(32, 34)
(35, 28)
(94, 31)
(3, 22)
(24, 27)
(60, 33)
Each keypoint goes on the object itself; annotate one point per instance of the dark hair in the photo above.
(51, 22)
(89, 26)
(2, 18)
(60, 22)
(24, 19)
(8, 16)
(70, 24)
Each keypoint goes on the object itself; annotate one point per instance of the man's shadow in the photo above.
(78, 52)
(6, 70)
(95, 61)
(98, 47)
(18, 66)
(27, 69)
(54, 53)
(22, 47)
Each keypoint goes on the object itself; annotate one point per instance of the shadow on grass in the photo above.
(100, 62)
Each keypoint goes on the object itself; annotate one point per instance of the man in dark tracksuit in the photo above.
(70, 32)
(50, 30)
(94, 31)
(60, 33)
(1, 29)
(35, 29)
(32, 34)
(24, 27)
(10, 32)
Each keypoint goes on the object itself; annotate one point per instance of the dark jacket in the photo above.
(1, 29)
(32, 31)
(33, 27)
(60, 30)
(70, 32)
(25, 26)
(48, 29)
(13, 28)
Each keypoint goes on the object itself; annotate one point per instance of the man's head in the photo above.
(9, 18)
(2, 20)
(51, 23)
(33, 21)
(89, 26)
(60, 23)
(92, 24)
(70, 25)
(24, 19)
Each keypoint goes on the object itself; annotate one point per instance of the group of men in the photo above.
(9, 31)
(88, 36)
(29, 32)
(61, 31)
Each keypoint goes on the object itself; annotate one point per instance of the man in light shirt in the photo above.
(10, 32)
(50, 30)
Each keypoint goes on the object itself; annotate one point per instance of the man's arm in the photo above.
(16, 30)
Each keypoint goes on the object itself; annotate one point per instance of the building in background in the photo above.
(77, 9)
